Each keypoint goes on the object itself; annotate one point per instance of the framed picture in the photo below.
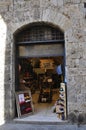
(24, 103)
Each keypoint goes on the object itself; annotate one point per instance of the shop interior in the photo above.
(42, 77)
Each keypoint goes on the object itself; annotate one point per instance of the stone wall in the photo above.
(68, 15)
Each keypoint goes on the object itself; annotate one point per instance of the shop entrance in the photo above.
(40, 67)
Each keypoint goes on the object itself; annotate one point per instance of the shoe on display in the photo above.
(62, 92)
(62, 100)
(61, 103)
(61, 109)
(58, 112)
(61, 89)
(61, 95)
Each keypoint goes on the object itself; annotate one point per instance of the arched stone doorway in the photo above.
(39, 50)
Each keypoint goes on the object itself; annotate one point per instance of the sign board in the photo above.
(24, 103)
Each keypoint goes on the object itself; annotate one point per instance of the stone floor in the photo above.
(19, 126)
(43, 112)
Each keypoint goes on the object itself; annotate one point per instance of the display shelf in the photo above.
(45, 96)
(61, 104)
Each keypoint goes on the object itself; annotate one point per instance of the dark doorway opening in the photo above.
(39, 53)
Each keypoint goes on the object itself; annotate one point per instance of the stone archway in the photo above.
(33, 27)
(60, 21)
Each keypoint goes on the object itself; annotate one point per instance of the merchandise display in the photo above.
(61, 102)
(39, 75)
(45, 89)
(24, 103)
(45, 95)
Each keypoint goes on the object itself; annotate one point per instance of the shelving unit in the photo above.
(46, 92)
(61, 103)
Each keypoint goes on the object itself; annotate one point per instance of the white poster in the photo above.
(21, 98)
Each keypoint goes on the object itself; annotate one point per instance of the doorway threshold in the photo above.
(33, 119)
(43, 113)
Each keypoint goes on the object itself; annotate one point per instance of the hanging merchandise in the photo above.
(59, 70)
